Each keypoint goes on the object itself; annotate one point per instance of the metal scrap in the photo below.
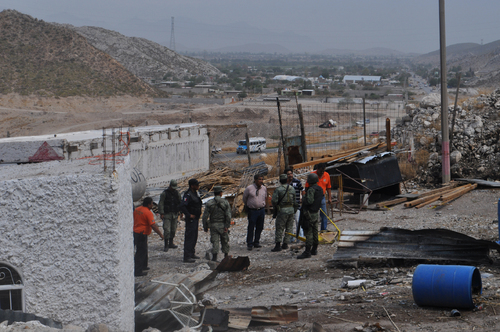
(230, 264)
(428, 244)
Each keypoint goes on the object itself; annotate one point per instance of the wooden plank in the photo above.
(450, 198)
(425, 199)
(334, 157)
(439, 190)
(359, 232)
(458, 192)
(391, 202)
(354, 238)
(346, 244)
(239, 322)
(427, 202)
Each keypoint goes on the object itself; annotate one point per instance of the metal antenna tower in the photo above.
(172, 36)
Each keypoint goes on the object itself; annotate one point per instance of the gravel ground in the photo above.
(314, 285)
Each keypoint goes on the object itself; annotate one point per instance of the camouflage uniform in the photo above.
(219, 212)
(285, 219)
(311, 216)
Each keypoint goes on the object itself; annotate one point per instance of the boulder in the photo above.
(431, 101)
(455, 157)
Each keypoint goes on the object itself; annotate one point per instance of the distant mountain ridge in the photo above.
(483, 60)
(143, 57)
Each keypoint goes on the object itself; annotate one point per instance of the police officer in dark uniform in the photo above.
(191, 207)
(311, 203)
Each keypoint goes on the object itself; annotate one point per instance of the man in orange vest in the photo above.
(144, 222)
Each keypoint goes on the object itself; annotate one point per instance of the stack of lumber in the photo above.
(224, 177)
(340, 156)
(445, 195)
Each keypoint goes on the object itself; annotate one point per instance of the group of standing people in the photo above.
(217, 218)
(286, 201)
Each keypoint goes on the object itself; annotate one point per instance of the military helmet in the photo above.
(312, 178)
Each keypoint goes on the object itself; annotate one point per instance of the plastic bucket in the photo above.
(446, 285)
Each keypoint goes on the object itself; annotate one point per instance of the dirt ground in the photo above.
(314, 285)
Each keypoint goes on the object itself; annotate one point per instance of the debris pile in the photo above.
(475, 148)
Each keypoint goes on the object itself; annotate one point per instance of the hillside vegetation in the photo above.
(47, 60)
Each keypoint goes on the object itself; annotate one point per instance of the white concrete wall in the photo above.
(67, 227)
(161, 153)
(161, 158)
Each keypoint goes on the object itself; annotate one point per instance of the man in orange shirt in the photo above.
(144, 222)
(324, 182)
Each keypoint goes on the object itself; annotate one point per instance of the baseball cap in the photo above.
(193, 182)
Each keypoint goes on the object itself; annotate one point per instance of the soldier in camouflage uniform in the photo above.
(284, 203)
(218, 211)
(311, 203)
(169, 209)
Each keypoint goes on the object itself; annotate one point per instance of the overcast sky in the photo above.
(402, 25)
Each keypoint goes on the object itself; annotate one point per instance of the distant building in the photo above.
(349, 79)
(286, 78)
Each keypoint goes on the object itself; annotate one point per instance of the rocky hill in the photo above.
(484, 60)
(143, 57)
(47, 60)
(475, 148)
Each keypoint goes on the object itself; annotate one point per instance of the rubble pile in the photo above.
(475, 148)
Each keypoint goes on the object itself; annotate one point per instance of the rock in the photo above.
(427, 124)
(455, 157)
(432, 100)
(469, 131)
(434, 156)
(98, 328)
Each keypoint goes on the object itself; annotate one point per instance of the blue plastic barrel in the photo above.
(449, 286)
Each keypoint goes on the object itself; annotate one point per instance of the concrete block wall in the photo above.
(161, 153)
(67, 228)
(171, 154)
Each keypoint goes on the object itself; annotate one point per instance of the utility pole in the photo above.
(445, 155)
(283, 144)
(172, 36)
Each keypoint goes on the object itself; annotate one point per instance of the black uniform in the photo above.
(191, 205)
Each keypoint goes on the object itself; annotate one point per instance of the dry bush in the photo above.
(429, 140)
(228, 149)
(421, 157)
(485, 91)
(436, 125)
(407, 169)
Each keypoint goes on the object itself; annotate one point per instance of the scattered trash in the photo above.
(218, 319)
(230, 264)
(283, 314)
(455, 313)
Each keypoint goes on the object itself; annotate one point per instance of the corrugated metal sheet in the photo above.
(428, 244)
